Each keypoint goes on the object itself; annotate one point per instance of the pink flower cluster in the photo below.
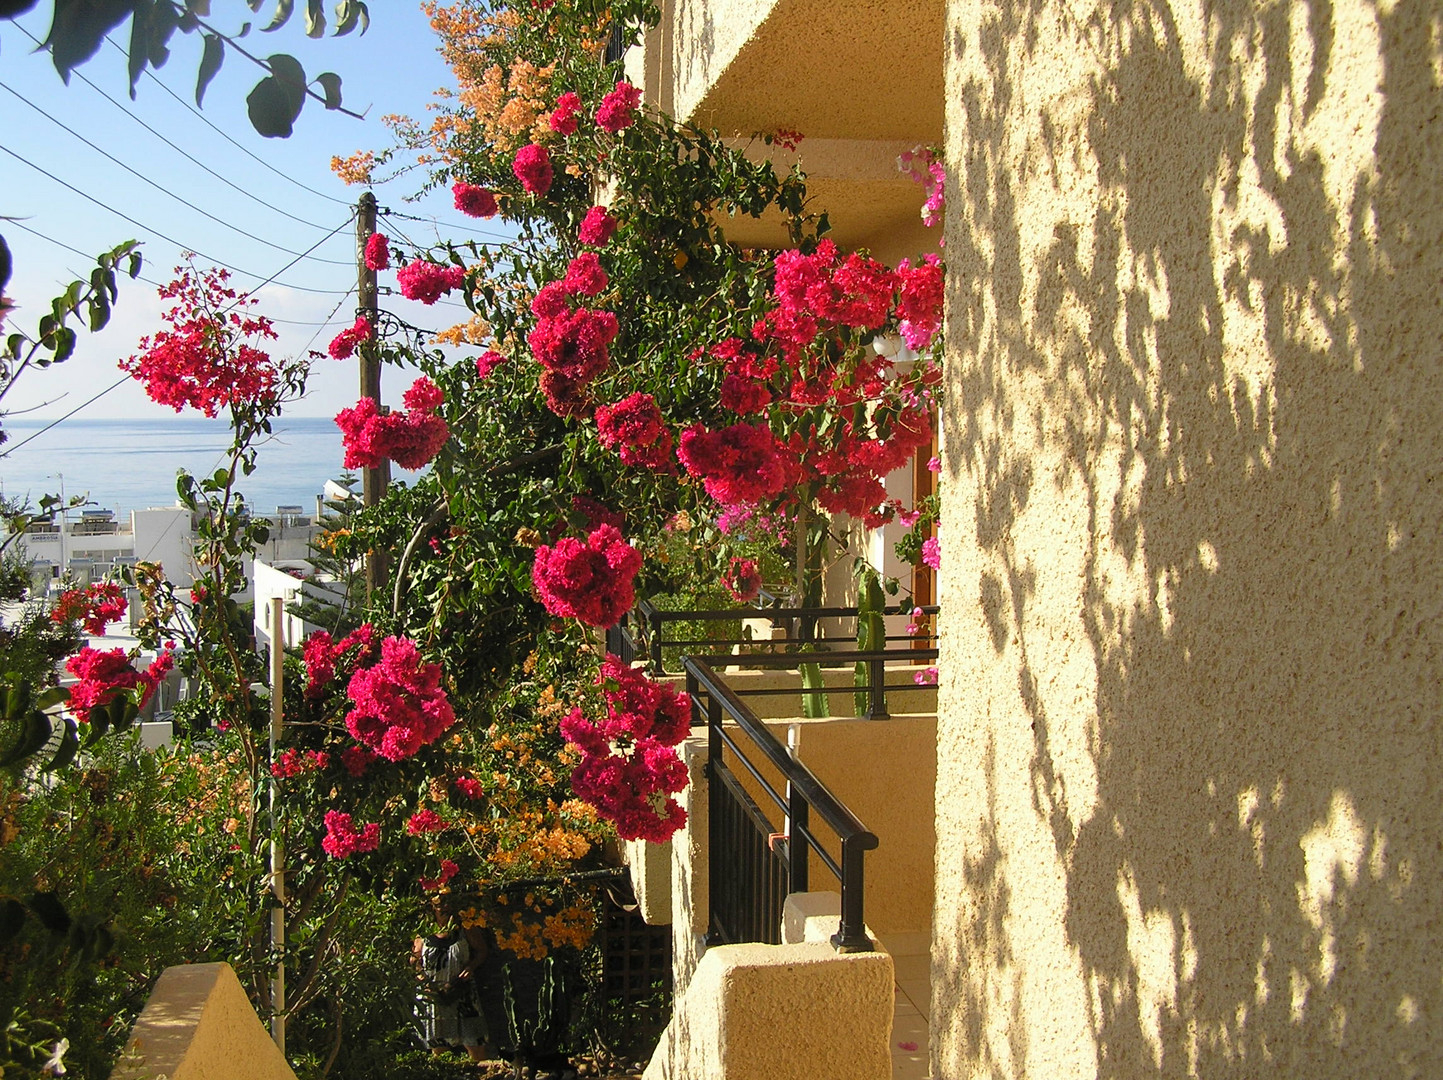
(591, 581)
(919, 305)
(357, 759)
(322, 655)
(743, 580)
(532, 166)
(342, 840)
(204, 360)
(470, 787)
(572, 344)
(94, 607)
(425, 821)
(448, 871)
(292, 763)
(629, 768)
(410, 438)
(921, 164)
(345, 343)
(618, 108)
(399, 704)
(635, 429)
(743, 463)
(378, 252)
(428, 281)
(564, 119)
(597, 227)
(932, 552)
(103, 676)
(473, 201)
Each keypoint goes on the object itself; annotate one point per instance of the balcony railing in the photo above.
(756, 861)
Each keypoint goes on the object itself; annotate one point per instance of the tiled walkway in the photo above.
(911, 961)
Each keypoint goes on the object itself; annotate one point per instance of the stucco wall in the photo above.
(1188, 784)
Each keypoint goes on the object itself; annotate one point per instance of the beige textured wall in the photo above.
(1189, 760)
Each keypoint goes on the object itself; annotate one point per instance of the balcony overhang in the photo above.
(861, 81)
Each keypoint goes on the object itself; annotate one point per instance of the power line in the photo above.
(184, 153)
(73, 250)
(164, 191)
(30, 438)
(502, 237)
(177, 243)
(203, 119)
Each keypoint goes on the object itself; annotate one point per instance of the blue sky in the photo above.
(392, 69)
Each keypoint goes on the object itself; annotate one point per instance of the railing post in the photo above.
(851, 935)
(797, 847)
(877, 689)
(656, 668)
(714, 814)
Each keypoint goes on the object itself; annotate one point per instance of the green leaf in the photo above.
(282, 15)
(69, 745)
(349, 15)
(64, 344)
(331, 84)
(200, 8)
(9, 9)
(210, 60)
(50, 911)
(78, 27)
(6, 264)
(33, 736)
(315, 18)
(276, 100)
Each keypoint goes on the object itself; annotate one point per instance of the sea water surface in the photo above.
(125, 465)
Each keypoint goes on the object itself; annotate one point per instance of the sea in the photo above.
(125, 465)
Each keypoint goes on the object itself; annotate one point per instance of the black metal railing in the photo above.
(753, 862)
(644, 632)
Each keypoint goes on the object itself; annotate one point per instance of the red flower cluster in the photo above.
(743, 463)
(488, 362)
(618, 108)
(205, 360)
(342, 840)
(293, 763)
(425, 821)
(597, 227)
(919, 307)
(399, 703)
(474, 201)
(532, 166)
(593, 581)
(344, 343)
(410, 438)
(322, 656)
(743, 580)
(103, 676)
(428, 281)
(448, 871)
(564, 119)
(357, 759)
(629, 769)
(585, 275)
(470, 787)
(635, 429)
(378, 252)
(94, 607)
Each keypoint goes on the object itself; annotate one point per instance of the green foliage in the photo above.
(78, 27)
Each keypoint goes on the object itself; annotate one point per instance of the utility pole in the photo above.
(373, 481)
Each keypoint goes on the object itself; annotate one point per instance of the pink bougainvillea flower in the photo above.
(597, 227)
(399, 703)
(635, 429)
(342, 840)
(488, 362)
(618, 108)
(425, 821)
(743, 580)
(104, 676)
(428, 281)
(926, 677)
(585, 275)
(743, 463)
(932, 552)
(575, 344)
(410, 438)
(344, 344)
(474, 201)
(532, 166)
(448, 871)
(378, 252)
(919, 307)
(591, 581)
(94, 607)
(564, 120)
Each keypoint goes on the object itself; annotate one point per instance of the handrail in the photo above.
(804, 794)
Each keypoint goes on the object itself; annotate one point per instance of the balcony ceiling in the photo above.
(831, 69)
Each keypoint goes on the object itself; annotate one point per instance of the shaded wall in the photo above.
(1188, 758)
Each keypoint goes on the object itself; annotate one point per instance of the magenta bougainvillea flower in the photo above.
(618, 108)
(94, 607)
(343, 345)
(104, 675)
(532, 166)
(399, 704)
(378, 252)
(597, 227)
(743, 463)
(743, 579)
(342, 840)
(428, 281)
(410, 438)
(591, 581)
(474, 201)
(634, 428)
(564, 119)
